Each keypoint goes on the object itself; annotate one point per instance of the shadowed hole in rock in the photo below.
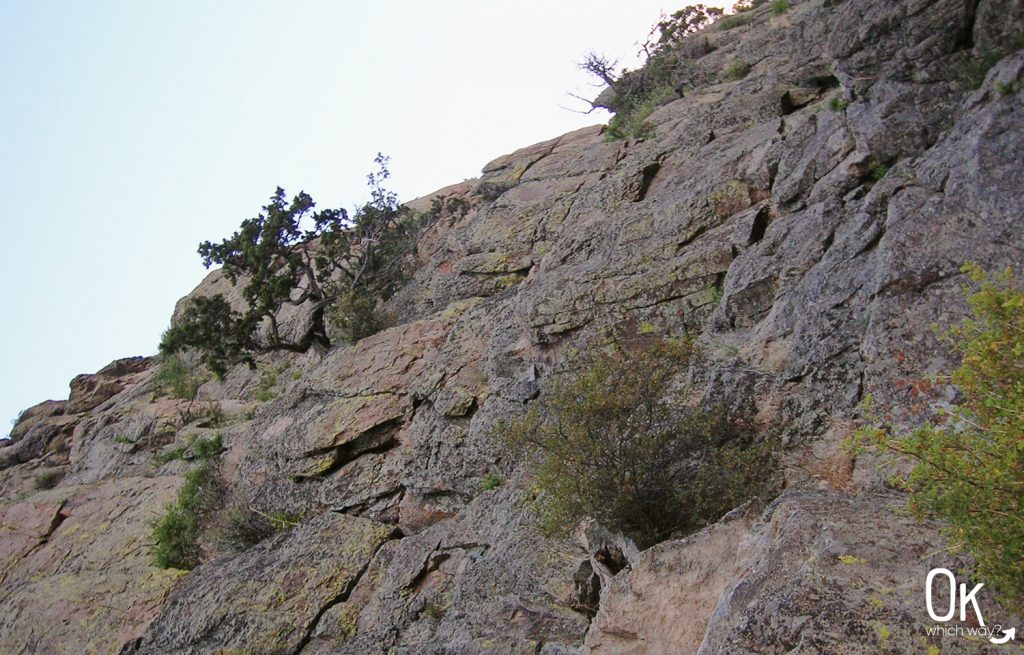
(588, 590)
(646, 177)
(759, 225)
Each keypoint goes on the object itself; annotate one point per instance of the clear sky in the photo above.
(131, 131)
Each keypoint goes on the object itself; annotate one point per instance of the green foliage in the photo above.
(877, 170)
(47, 479)
(1003, 89)
(205, 449)
(670, 31)
(170, 455)
(969, 468)
(435, 610)
(737, 70)
(837, 103)
(735, 20)
(176, 378)
(606, 443)
(243, 526)
(356, 317)
(278, 261)
(631, 120)
(491, 482)
(780, 7)
(265, 390)
(974, 70)
(177, 532)
(636, 94)
(200, 448)
(492, 189)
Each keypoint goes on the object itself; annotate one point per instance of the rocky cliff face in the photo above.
(810, 247)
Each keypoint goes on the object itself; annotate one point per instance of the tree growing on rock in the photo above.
(607, 442)
(293, 254)
(969, 468)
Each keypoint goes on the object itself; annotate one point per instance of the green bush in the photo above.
(877, 170)
(670, 31)
(271, 259)
(969, 467)
(242, 526)
(735, 20)
(177, 532)
(200, 448)
(631, 119)
(780, 7)
(837, 103)
(47, 479)
(177, 378)
(607, 443)
(356, 317)
(737, 70)
(491, 482)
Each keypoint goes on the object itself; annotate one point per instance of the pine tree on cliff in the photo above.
(349, 263)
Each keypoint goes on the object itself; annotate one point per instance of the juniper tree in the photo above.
(358, 260)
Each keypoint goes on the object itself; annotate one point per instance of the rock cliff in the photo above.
(810, 243)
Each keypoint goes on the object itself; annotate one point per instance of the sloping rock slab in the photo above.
(78, 573)
(822, 573)
(266, 599)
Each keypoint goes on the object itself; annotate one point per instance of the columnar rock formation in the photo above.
(810, 246)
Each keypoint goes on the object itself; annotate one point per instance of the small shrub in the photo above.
(607, 444)
(268, 380)
(736, 20)
(493, 189)
(631, 121)
(730, 198)
(737, 70)
(242, 526)
(974, 70)
(170, 455)
(356, 317)
(780, 7)
(491, 481)
(47, 479)
(177, 532)
(213, 416)
(837, 103)
(877, 170)
(435, 610)
(200, 448)
(177, 379)
(204, 449)
(1002, 88)
(969, 468)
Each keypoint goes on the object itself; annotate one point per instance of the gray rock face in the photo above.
(810, 248)
(819, 572)
(269, 598)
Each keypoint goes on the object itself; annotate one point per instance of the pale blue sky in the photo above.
(130, 131)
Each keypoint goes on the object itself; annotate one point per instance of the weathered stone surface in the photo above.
(819, 573)
(834, 574)
(269, 598)
(77, 573)
(483, 581)
(811, 246)
(664, 602)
